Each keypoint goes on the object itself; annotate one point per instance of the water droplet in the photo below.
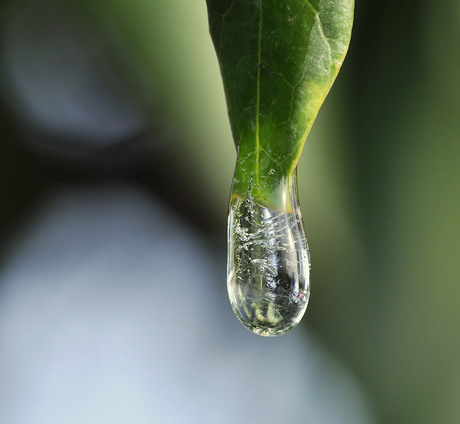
(268, 269)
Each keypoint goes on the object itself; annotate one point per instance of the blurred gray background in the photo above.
(116, 161)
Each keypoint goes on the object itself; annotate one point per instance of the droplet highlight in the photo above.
(268, 268)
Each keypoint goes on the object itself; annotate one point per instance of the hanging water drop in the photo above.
(262, 53)
(268, 268)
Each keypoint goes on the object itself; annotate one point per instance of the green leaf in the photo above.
(278, 61)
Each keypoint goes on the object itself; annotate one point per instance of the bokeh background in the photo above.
(112, 111)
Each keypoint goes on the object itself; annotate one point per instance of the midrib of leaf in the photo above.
(259, 61)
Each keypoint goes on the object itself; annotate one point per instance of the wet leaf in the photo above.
(278, 60)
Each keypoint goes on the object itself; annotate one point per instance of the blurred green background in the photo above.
(379, 177)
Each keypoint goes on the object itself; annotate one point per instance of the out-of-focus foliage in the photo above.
(379, 178)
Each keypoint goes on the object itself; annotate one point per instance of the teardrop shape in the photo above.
(268, 268)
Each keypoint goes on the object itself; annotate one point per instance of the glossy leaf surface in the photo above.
(278, 60)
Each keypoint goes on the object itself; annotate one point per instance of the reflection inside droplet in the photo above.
(268, 269)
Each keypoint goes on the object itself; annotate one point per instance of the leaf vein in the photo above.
(259, 60)
(326, 40)
(230, 7)
(310, 5)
